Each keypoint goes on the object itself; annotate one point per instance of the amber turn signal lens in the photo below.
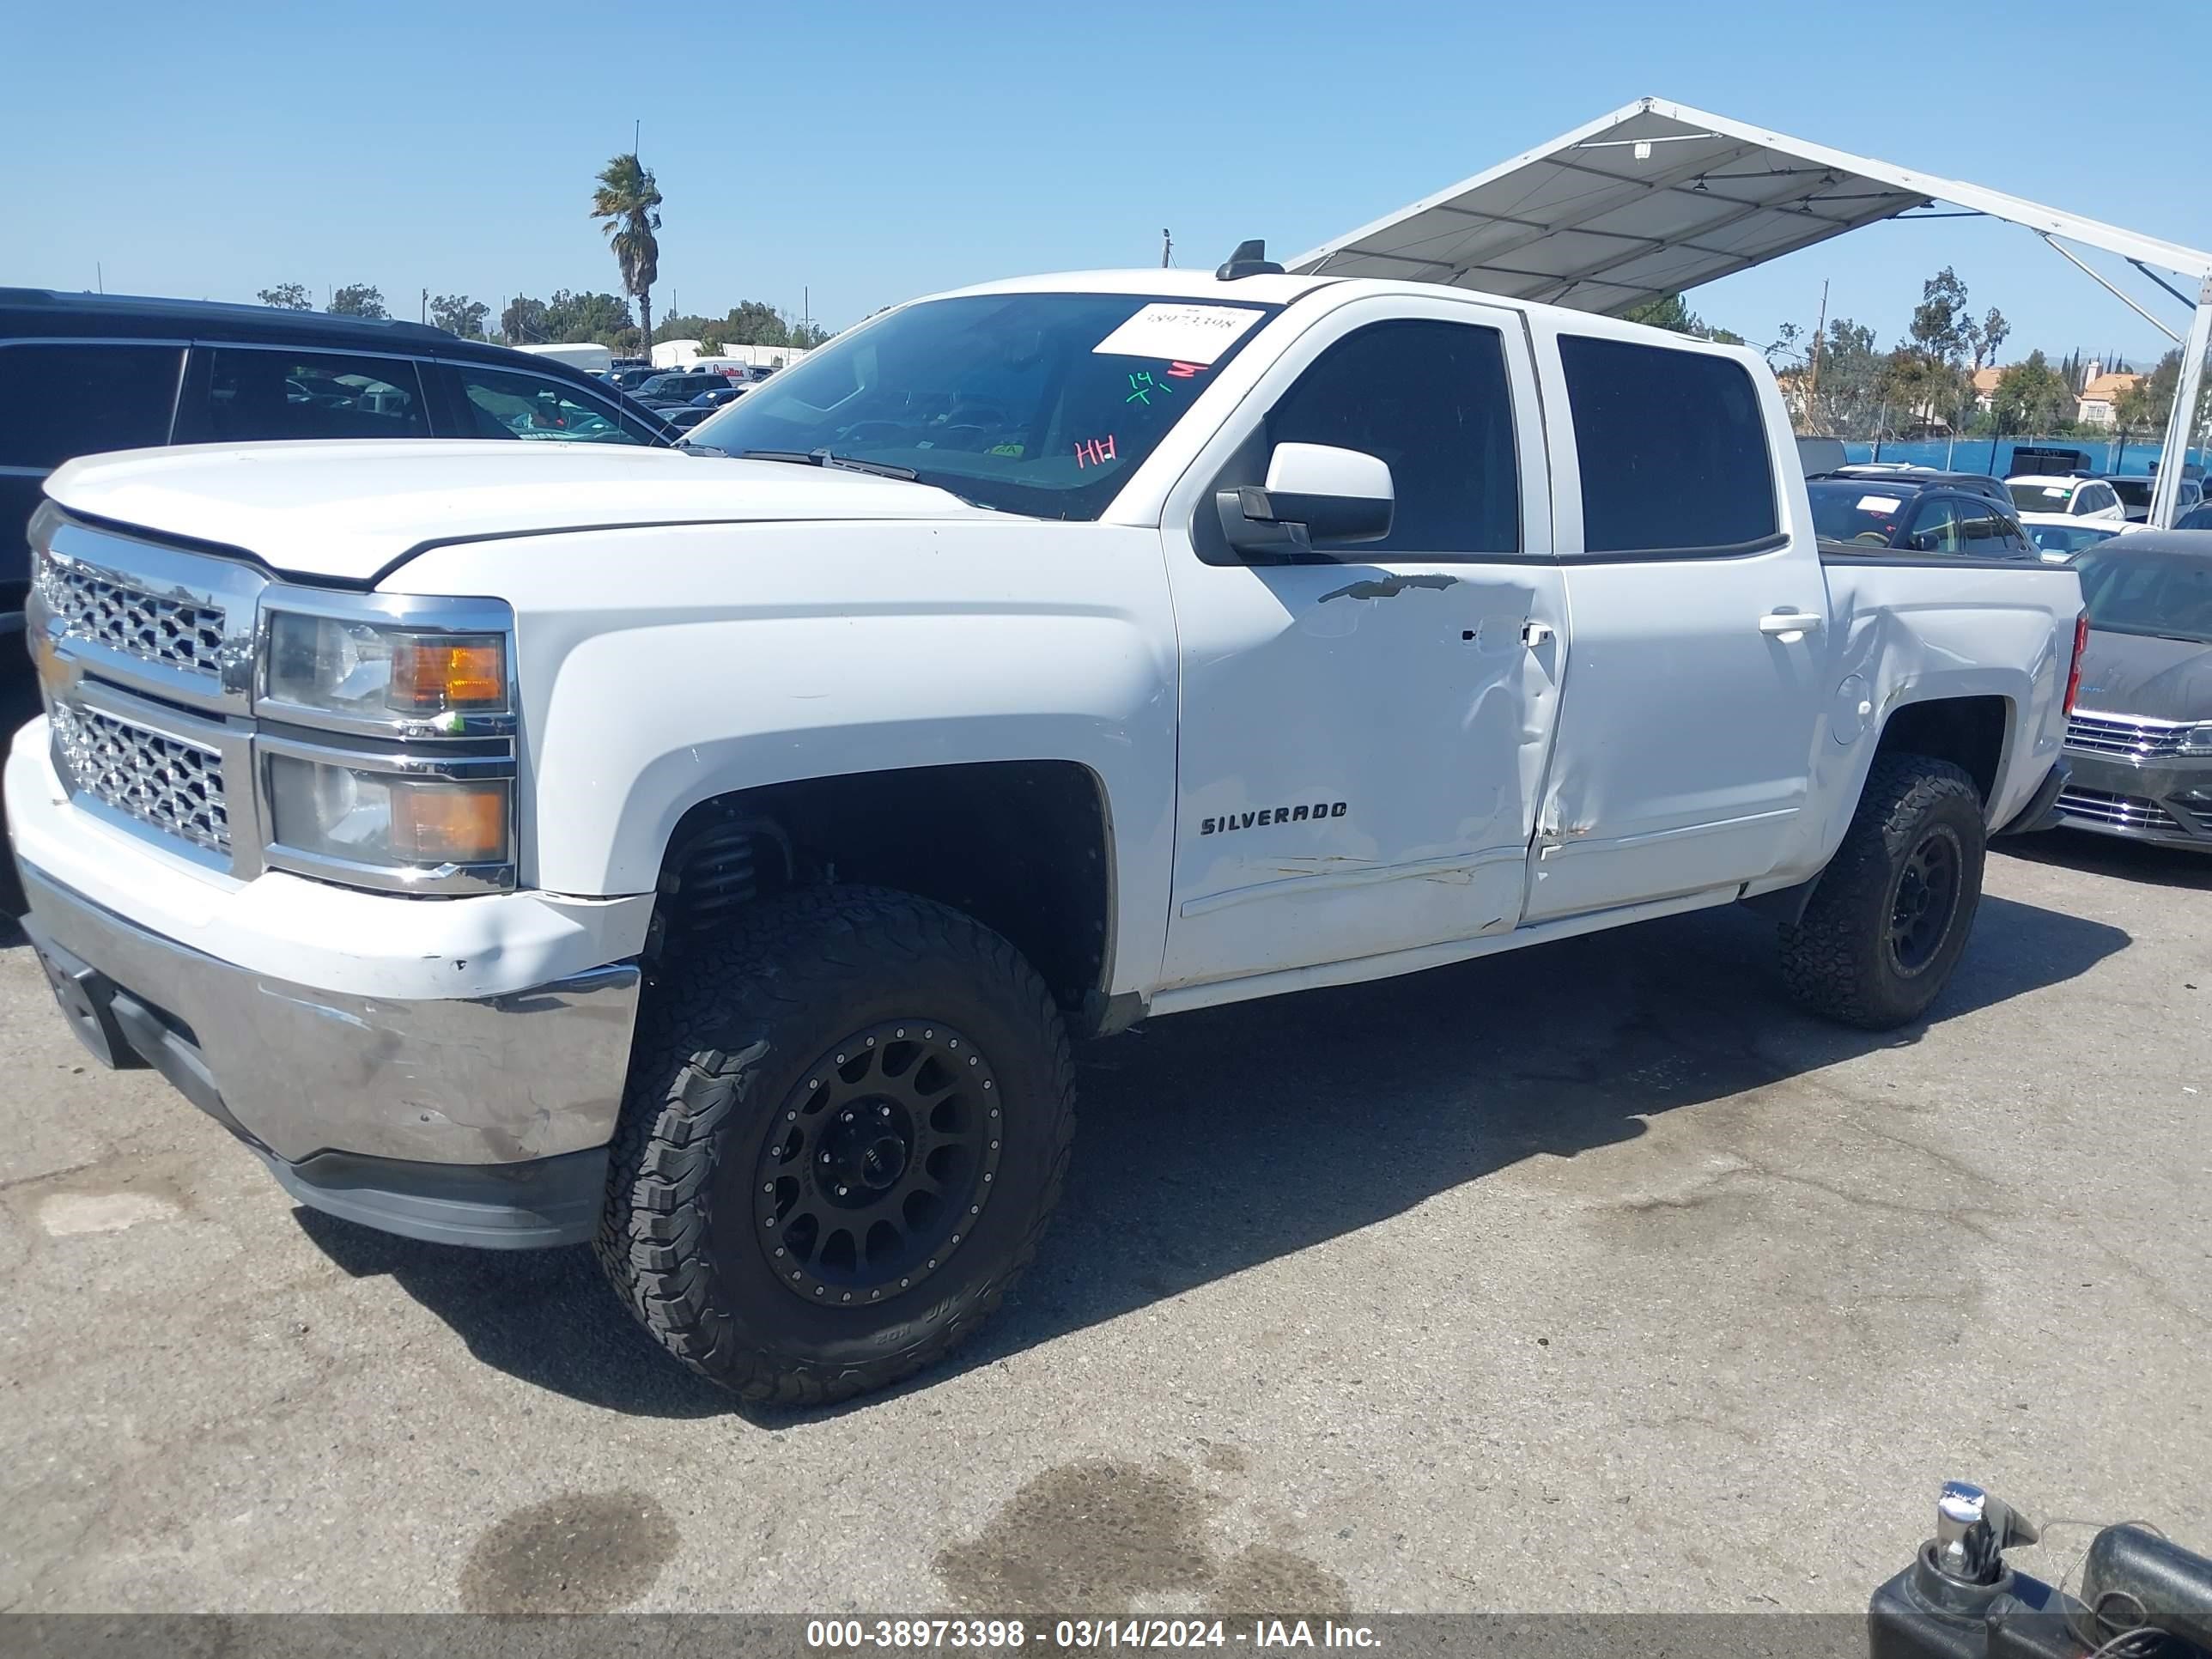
(450, 822)
(434, 672)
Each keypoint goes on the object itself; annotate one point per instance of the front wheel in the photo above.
(1890, 918)
(846, 1125)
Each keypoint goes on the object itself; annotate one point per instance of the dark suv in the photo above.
(1965, 515)
(82, 372)
(673, 388)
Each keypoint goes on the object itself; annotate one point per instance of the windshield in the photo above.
(1855, 512)
(2037, 497)
(2068, 538)
(1038, 403)
(2161, 595)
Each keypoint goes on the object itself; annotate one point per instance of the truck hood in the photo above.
(2157, 679)
(348, 510)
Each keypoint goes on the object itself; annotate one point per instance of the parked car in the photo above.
(2140, 741)
(687, 416)
(2066, 497)
(2058, 539)
(715, 396)
(630, 377)
(2135, 496)
(2198, 518)
(1924, 477)
(668, 390)
(81, 373)
(1026, 662)
(1921, 512)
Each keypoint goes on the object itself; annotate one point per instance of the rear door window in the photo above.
(78, 398)
(253, 394)
(497, 402)
(1673, 452)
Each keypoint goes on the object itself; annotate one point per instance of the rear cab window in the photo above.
(1673, 452)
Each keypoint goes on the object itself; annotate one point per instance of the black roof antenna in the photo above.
(1250, 259)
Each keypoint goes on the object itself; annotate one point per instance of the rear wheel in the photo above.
(846, 1126)
(1891, 916)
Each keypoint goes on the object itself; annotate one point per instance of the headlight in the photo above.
(369, 670)
(2196, 740)
(359, 815)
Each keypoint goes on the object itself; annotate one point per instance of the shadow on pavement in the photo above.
(1217, 1140)
(2109, 855)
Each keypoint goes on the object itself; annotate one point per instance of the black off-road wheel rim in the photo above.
(1924, 900)
(878, 1164)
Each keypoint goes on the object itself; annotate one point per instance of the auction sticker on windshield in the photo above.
(1879, 503)
(1185, 333)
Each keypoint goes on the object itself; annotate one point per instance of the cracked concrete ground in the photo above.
(1591, 1278)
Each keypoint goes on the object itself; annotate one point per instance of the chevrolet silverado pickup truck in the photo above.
(711, 855)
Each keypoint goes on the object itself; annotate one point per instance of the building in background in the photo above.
(2101, 394)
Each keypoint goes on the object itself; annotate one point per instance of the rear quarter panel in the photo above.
(1913, 631)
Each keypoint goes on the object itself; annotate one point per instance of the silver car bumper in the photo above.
(513, 1097)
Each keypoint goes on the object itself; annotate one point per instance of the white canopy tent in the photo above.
(1658, 198)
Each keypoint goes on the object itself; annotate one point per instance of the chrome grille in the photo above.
(173, 785)
(176, 632)
(2124, 738)
(2118, 812)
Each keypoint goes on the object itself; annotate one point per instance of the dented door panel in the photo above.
(1361, 738)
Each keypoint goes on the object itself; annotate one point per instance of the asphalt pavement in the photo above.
(1591, 1278)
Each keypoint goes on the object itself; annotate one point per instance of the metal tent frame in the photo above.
(1657, 198)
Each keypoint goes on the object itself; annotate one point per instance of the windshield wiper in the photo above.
(823, 458)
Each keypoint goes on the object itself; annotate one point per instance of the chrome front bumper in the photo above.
(415, 1115)
(2163, 801)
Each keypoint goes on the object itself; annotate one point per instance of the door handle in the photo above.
(1535, 635)
(1789, 626)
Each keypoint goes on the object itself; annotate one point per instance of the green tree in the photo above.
(286, 297)
(687, 328)
(628, 204)
(574, 319)
(2151, 399)
(1991, 333)
(1848, 397)
(751, 322)
(524, 323)
(2032, 397)
(1669, 311)
(810, 335)
(458, 314)
(359, 300)
(1926, 378)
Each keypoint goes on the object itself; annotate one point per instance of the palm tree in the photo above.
(629, 202)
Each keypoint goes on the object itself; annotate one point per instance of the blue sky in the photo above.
(855, 154)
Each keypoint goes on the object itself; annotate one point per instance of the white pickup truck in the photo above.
(712, 855)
